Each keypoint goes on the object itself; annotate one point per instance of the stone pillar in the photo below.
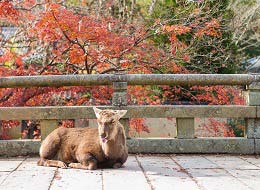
(119, 99)
(119, 94)
(252, 95)
(47, 126)
(81, 123)
(185, 128)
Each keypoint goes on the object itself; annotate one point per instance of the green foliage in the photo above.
(237, 126)
(246, 26)
(208, 53)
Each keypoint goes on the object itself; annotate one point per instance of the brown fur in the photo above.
(87, 148)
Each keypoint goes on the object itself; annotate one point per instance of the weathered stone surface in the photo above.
(203, 145)
(3, 176)
(81, 123)
(215, 179)
(257, 128)
(126, 123)
(30, 165)
(185, 128)
(47, 126)
(19, 147)
(153, 145)
(253, 160)
(146, 172)
(132, 79)
(253, 128)
(26, 175)
(257, 146)
(120, 86)
(231, 162)
(9, 165)
(194, 162)
(68, 179)
(119, 99)
(253, 98)
(163, 173)
(250, 128)
(129, 177)
(28, 180)
(251, 178)
(253, 86)
(164, 111)
(199, 145)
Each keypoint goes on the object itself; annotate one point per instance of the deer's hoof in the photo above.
(92, 166)
(62, 165)
(117, 165)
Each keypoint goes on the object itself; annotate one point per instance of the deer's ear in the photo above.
(97, 112)
(120, 113)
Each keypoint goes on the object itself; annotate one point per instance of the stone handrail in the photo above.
(186, 142)
(131, 79)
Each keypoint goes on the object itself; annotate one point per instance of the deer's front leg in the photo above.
(87, 162)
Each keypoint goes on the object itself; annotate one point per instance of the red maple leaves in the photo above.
(59, 40)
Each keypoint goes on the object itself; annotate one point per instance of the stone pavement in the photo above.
(141, 172)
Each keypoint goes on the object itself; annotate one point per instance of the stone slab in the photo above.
(194, 162)
(28, 180)
(198, 145)
(30, 164)
(69, 179)
(185, 172)
(216, 179)
(253, 160)
(152, 145)
(163, 173)
(3, 176)
(249, 177)
(231, 162)
(257, 146)
(19, 147)
(129, 177)
(9, 165)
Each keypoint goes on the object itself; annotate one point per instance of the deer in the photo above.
(87, 148)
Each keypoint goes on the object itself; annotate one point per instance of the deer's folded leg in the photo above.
(78, 166)
(86, 161)
(90, 166)
(51, 163)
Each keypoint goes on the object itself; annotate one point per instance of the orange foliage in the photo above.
(80, 44)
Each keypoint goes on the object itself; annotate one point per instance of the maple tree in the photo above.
(53, 38)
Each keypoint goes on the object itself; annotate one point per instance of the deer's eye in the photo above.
(113, 121)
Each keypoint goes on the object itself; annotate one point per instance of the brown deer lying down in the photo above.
(87, 148)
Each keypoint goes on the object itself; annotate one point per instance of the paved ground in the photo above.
(141, 172)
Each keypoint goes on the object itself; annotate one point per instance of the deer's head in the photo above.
(108, 122)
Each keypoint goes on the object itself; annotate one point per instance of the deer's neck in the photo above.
(114, 146)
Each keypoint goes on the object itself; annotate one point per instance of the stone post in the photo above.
(252, 96)
(185, 128)
(119, 99)
(47, 126)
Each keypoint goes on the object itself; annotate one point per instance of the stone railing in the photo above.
(186, 142)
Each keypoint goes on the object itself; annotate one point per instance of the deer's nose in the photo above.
(103, 135)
